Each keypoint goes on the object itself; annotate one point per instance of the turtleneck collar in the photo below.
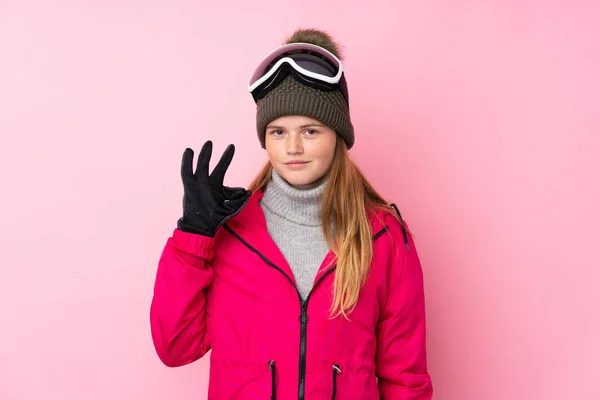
(296, 205)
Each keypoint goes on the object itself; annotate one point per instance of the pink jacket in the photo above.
(236, 295)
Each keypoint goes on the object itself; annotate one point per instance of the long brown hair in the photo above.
(346, 203)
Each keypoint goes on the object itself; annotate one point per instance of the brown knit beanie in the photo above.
(293, 98)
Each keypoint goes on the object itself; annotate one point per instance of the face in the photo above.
(300, 149)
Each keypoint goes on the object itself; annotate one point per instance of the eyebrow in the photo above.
(301, 126)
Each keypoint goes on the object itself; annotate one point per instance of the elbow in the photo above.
(165, 353)
(419, 385)
(165, 349)
(407, 386)
(176, 352)
(168, 359)
(169, 356)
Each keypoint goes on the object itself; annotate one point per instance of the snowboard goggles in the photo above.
(309, 64)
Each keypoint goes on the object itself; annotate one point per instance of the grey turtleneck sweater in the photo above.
(294, 222)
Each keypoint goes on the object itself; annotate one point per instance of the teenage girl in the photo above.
(307, 285)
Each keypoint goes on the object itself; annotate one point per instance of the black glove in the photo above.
(207, 204)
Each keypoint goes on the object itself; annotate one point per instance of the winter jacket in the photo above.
(235, 294)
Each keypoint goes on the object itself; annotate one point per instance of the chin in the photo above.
(297, 180)
(300, 180)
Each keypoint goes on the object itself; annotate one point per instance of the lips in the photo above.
(296, 165)
(296, 162)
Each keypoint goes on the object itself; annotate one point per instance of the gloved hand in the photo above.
(207, 204)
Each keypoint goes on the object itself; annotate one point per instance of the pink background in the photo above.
(480, 119)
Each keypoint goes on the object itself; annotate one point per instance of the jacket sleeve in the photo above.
(401, 360)
(178, 308)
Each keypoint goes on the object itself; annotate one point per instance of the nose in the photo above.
(294, 144)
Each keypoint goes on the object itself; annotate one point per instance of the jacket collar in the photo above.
(250, 226)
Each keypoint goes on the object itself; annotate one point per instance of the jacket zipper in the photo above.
(303, 324)
(404, 235)
(303, 305)
(302, 367)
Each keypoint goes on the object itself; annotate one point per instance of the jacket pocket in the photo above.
(340, 380)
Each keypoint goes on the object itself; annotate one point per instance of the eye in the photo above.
(277, 132)
(311, 132)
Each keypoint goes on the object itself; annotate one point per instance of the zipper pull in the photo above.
(304, 314)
